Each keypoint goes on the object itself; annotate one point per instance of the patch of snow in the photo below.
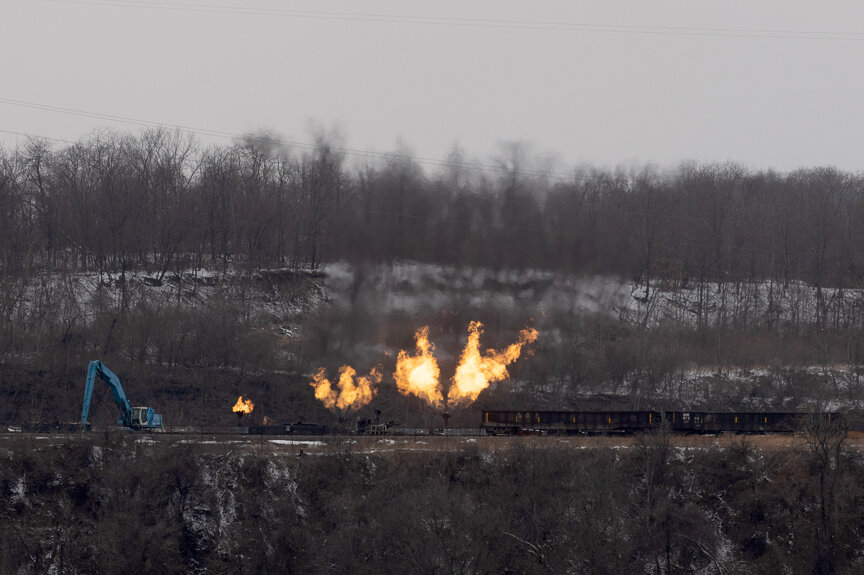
(211, 441)
(96, 453)
(19, 491)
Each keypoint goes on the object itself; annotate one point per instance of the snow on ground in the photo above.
(410, 287)
(284, 295)
(279, 295)
(745, 304)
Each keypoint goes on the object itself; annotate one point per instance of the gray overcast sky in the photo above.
(769, 84)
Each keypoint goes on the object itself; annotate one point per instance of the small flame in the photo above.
(243, 406)
(419, 374)
(348, 393)
(475, 371)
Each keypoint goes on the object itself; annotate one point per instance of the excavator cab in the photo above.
(145, 417)
(139, 416)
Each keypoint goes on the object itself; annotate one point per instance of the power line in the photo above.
(35, 136)
(473, 22)
(355, 152)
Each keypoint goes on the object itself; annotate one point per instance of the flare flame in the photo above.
(348, 392)
(243, 406)
(476, 371)
(418, 374)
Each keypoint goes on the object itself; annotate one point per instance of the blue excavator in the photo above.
(131, 417)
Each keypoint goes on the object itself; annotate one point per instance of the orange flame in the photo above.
(243, 406)
(475, 371)
(419, 374)
(348, 393)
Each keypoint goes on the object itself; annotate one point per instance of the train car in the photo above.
(567, 422)
(268, 429)
(506, 422)
(743, 421)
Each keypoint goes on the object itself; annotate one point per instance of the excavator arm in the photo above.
(97, 368)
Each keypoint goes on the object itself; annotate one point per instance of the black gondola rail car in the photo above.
(499, 422)
(508, 422)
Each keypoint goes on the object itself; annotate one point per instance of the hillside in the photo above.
(191, 342)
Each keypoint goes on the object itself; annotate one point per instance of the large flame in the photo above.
(418, 374)
(243, 406)
(475, 371)
(348, 392)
